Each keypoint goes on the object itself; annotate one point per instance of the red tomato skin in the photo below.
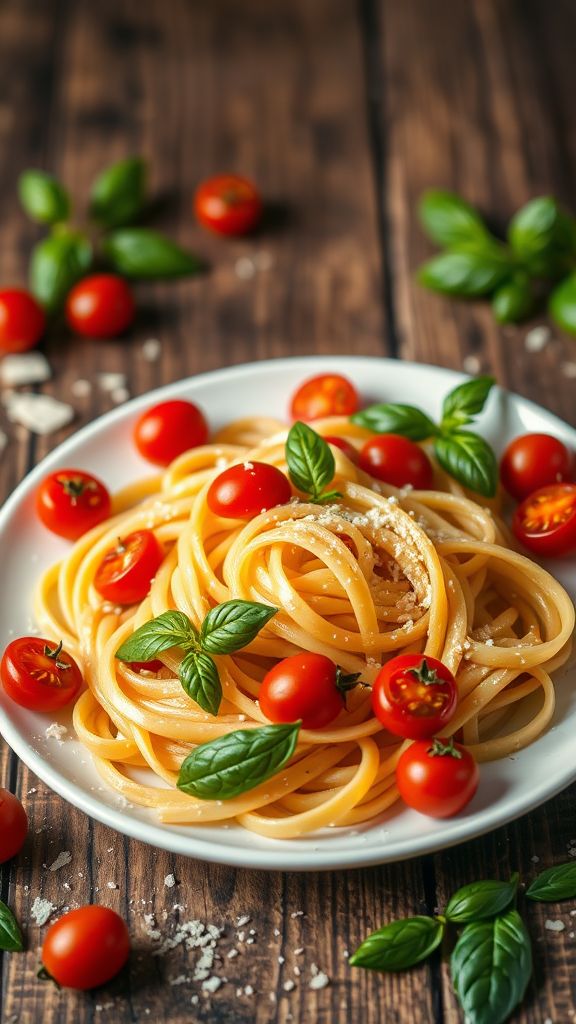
(86, 947)
(437, 786)
(70, 516)
(395, 687)
(169, 429)
(302, 687)
(125, 578)
(398, 461)
(349, 450)
(533, 461)
(228, 204)
(328, 394)
(151, 666)
(553, 543)
(246, 490)
(13, 825)
(33, 680)
(22, 320)
(100, 306)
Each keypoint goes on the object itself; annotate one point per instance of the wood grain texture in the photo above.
(343, 112)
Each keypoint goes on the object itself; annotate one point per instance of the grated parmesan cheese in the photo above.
(61, 860)
(31, 368)
(151, 350)
(41, 910)
(41, 414)
(56, 732)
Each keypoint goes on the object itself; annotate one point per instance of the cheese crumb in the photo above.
(289, 985)
(61, 860)
(170, 881)
(80, 388)
(212, 984)
(41, 414)
(41, 910)
(32, 368)
(55, 732)
(111, 381)
(151, 349)
(554, 926)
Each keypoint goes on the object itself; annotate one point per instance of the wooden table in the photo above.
(343, 113)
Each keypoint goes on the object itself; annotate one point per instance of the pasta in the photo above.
(378, 572)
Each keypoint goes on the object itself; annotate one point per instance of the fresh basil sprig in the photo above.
(557, 883)
(57, 263)
(237, 761)
(399, 945)
(227, 628)
(141, 253)
(491, 966)
(11, 940)
(481, 900)
(118, 194)
(311, 464)
(43, 198)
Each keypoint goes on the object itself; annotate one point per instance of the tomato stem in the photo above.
(441, 749)
(424, 674)
(54, 653)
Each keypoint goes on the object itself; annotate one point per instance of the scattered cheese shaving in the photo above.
(61, 860)
(41, 414)
(41, 910)
(31, 368)
(55, 732)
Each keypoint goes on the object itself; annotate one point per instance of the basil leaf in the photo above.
(310, 460)
(481, 900)
(542, 235)
(470, 460)
(396, 419)
(562, 304)
(11, 940)
(57, 263)
(399, 945)
(449, 220)
(43, 197)
(514, 300)
(465, 401)
(199, 677)
(237, 762)
(557, 883)
(468, 273)
(491, 967)
(171, 629)
(140, 253)
(117, 195)
(233, 625)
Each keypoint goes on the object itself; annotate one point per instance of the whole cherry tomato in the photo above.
(169, 429)
(69, 502)
(437, 777)
(39, 675)
(414, 696)
(398, 461)
(228, 204)
(86, 947)
(545, 522)
(534, 461)
(328, 394)
(13, 825)
(100, 306)
(247, 489)
(22, 320)
(127, 570)
(344, 446)
(306, 687)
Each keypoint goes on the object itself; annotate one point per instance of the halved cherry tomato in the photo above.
(328, 394)
(100, 306)
(247, 489)
(414, 696)
(168, 429)
(38, 674)
(306, 687)
(22, 320)
(69, 502)
(86, 947)
(533, 461)
(545, 522)
(228, 204)
(398, 461)
(13, 825)
(349, 450)
(127, 570)
(437, 777)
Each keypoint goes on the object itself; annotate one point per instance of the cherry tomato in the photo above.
(414, 696)
(437, 777)
(86, 947)
(127, 570)
(169, 429)
(329, 394)
(533, 461)
(228, 205)
(344, 446)
(13, 825)
(69, 502)
(306, 687)
(243, 491)
(545, 522)
(398, 461)
(22, 320)
(38, 674)
(100, 306)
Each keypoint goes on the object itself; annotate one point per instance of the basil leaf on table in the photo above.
(481, 900)
(117, 195)
(199, 677)
(465, 401)
(57, 263)
(468, 273)
(232, 625)
(11, 940)
(43, 198)
(449, 220)
(396, 419)
(542, 236)
(470, 460)
(140, 253)
(399, 945)
(237, 761)
(514, 300)
(171, 629)
(557, 883)
(562, 304)
(311, 464)
(491, 967)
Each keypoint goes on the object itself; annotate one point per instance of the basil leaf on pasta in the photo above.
(465, 401)
(171, 629)
(233, 625)
(199, 677)
(394, 418)
(311, 464)
(237, 762)
(470, 460)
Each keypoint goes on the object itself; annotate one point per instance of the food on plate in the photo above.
(228, 204)
(85, 948)
(328, 394)
(22, 320)
(545, 522)
(306, 687)
(100, 306)
(127, 569)
(169, 429)
(533, 461)
(39, 675)
(396, 460)
(13, 825)
(437, 777)
(247, 489)
(414, 696)
(70, 501)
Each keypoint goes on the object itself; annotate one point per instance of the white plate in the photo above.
(508, 788)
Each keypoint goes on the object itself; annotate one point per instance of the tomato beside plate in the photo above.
(85, 947)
